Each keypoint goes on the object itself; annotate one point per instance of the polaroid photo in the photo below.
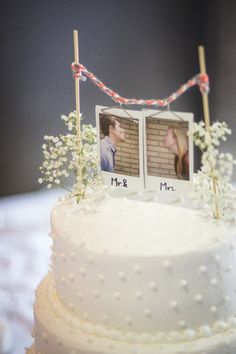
(120, 147)
(168, 153)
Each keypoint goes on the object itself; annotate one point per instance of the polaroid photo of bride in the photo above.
(120, 147)
(168, 151)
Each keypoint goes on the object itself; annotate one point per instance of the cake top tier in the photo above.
(120, 225)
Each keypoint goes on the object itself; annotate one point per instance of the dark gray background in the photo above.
(142, 49)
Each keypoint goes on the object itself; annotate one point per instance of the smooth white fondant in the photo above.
(118, 257)
(136, 277)
(121, 226)
(59, 333)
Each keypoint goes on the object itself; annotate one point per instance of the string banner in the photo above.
(200, 80)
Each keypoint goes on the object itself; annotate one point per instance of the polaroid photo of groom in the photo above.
(120, 147)
(168, 152)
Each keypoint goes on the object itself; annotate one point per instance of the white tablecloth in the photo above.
(24, 260)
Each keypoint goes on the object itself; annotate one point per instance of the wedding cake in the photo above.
(132, 276)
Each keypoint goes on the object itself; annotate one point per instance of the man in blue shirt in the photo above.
(113, 135)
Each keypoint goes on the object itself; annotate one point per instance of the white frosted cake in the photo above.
(135, 277)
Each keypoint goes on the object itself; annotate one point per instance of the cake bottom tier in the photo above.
(56, 333)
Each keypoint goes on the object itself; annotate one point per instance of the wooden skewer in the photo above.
(77, 92)
(77, 104)
(205, 101)
(202, 62)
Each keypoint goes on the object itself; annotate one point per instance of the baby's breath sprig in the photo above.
(216, 167)
(61, 158)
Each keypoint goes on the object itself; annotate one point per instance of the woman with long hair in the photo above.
(176, 140)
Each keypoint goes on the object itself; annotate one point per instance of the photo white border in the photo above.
(171, 186)
(133, 183)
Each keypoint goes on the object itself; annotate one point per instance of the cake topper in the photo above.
(62, 156)
(120, 147)
(168, 153)
(205, 101)
(76, 152)
(212, 181)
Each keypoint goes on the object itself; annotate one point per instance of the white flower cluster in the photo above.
(63, 158)
(70, 121)
(212, 183)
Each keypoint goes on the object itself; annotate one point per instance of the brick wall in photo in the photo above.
(160, 160)
(127, 154)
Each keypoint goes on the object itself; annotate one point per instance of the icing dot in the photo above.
(115, 334)
(90, 259)
(184, 283)
(72, 256)
(232, 321)
(128, 321)
(174, 337)
(71, 306)
(63, 257)
(147, 313)
(161, 336)
(96, 293)
(131, 337)
(219, 326)
(117, 296)
(79, 294)
(83, 271)
(87, 327)
(189, 334)
(174, 304)
(205, 331)
(139, 295)
(167, 264)
(137, 269)
(33, 332)
(85, 316)
(104, 319)
(101, 278)
(182, 324)
(153, 286)
(121, 275)
(202, 269)
(72, 277)
(146, 338)
(72, 330)
(213, 282)
(198, 298)
(45, 339)
(213, 309)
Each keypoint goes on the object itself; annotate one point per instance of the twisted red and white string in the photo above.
(201, 80)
